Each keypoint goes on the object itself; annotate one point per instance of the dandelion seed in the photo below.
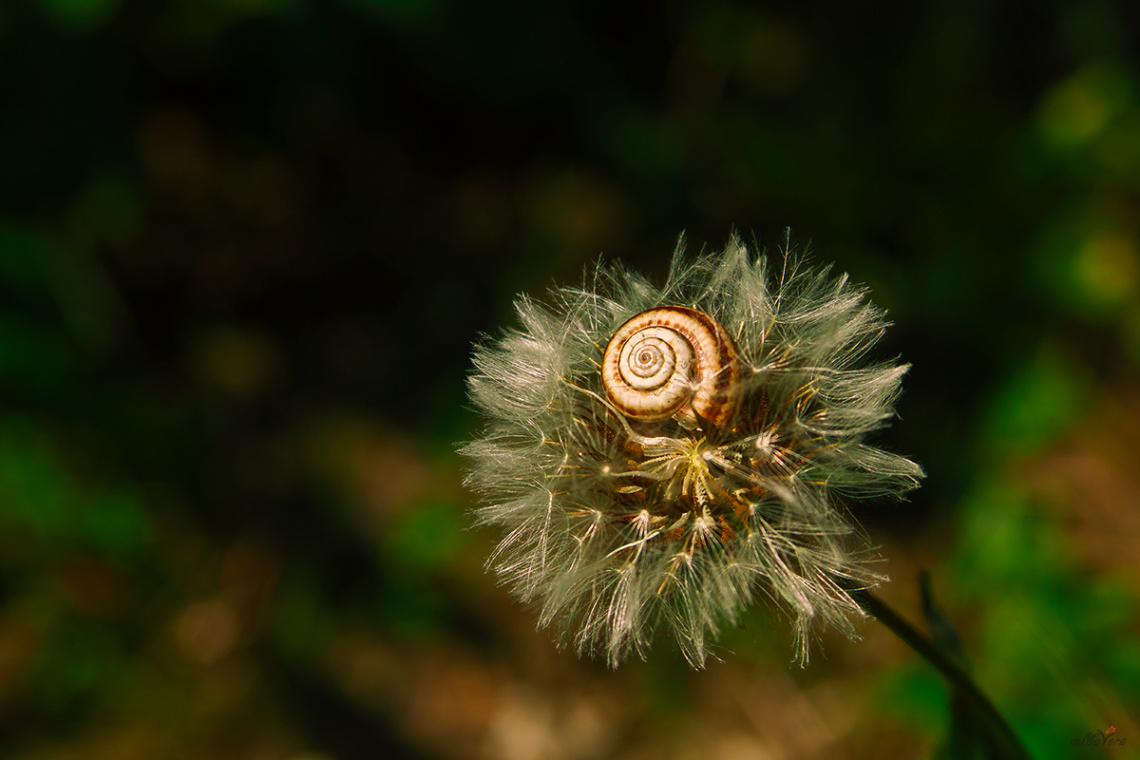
(657, 457)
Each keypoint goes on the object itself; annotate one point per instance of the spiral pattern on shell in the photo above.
(672, 361)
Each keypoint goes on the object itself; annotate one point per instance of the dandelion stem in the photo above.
(995, 725)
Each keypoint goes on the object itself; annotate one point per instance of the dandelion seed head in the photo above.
(620, 519)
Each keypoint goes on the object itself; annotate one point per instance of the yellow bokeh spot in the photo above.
(773, 58)
(1107, 267)
(239, 362)
(1078, 109)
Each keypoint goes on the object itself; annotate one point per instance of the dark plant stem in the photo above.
(995, 725)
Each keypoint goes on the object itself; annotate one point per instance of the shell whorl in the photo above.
(672, 362)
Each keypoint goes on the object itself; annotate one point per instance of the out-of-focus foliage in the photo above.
(245, 246)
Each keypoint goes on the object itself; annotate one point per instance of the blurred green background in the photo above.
(245, 247)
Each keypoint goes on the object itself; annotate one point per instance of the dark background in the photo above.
(245, 247)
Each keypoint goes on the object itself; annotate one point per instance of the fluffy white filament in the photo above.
(615, 527)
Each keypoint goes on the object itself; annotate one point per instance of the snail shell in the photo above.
(672, 362)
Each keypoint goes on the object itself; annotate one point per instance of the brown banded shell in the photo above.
(672, 361)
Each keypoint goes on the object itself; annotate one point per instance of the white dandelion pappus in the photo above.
(658, 456)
